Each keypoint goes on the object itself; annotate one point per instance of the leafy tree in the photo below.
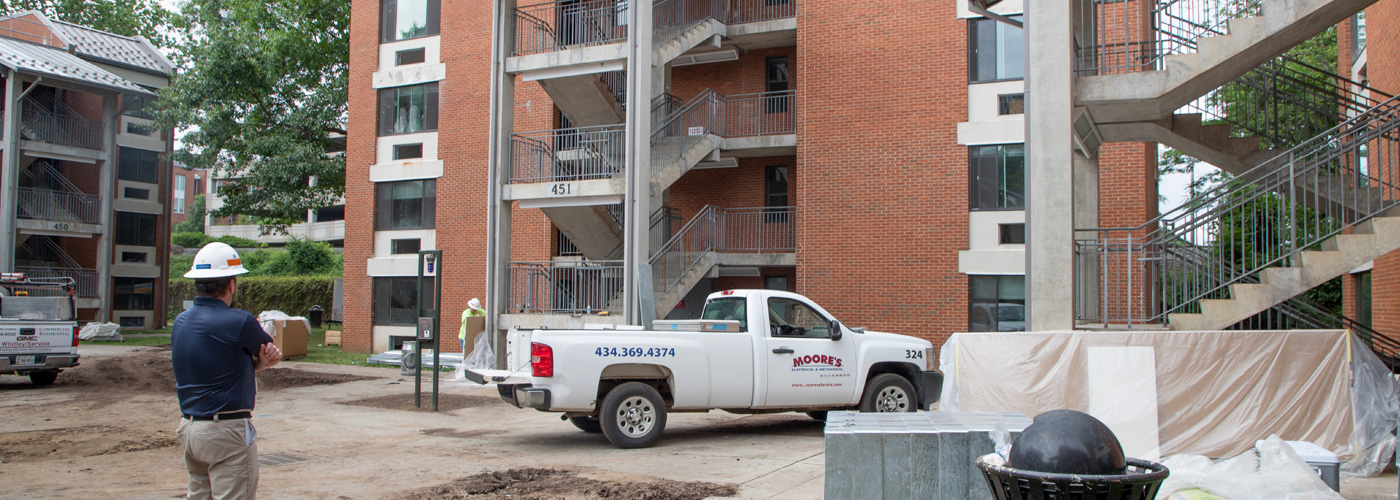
(146, 18)
(262, 88)
(194, 217)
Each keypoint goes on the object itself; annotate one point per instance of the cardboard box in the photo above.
(290, 336)
(332, 337)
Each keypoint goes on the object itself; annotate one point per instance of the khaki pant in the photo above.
(221, 458)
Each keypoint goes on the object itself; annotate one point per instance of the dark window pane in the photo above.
(1011, 104)
(396, 300)
(135, 229)
(140, 194)
(996, 51)
(411, 56)
(405, 19)
(131, 321)
(405, 246)
(134, 257)
(997, 303)
(408, 151)
(407, 110)
(330, 214)
(1012, 188)
(138, 165)
(1012, 234)
(405, 205)
(133, 294)
(138, 106)
(998, 177)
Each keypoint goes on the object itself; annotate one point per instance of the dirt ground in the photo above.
(107, 430)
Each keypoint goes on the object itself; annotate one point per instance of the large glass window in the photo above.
(998, 304)
(1363, 298)
(405, 19)
(407, 110)
(179, 198)
(792, 318)
(139, 106)
(135, 229)
(776, 80)
(138, 165)
(396, 300)
(405, 205)
(996, 51)
(133, 294)
(998, 177)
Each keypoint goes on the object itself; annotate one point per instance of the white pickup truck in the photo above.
(753, 351)
(38, 334)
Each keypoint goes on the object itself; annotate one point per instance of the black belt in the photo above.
(225, 416)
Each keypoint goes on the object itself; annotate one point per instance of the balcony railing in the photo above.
(46, 204)
(568, 24)
(1137, 36)
(87, 279)
(65, 129)
(753, 11)
(766, 113)
(721, 230)
(567, 154)
(564, 287)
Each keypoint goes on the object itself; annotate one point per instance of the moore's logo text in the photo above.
(816, 359)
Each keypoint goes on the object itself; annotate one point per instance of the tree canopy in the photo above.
(146, 18)
(262, 91)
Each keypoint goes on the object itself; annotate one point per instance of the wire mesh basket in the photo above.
(1139, 482)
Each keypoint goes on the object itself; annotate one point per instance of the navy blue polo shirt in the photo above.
(212, 347)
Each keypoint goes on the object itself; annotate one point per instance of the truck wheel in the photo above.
(43, 378)
(587, 424)
(819, 416)
(887, 393)
(633, 415)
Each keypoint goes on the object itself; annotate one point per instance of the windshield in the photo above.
(727, 309)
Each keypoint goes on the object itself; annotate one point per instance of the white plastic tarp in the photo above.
(1206, 393)
(266, 318)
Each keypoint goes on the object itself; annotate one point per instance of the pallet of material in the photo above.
(332, 337)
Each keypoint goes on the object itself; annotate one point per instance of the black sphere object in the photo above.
(1067, 442)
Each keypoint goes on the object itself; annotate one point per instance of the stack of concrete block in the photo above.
(925, 455)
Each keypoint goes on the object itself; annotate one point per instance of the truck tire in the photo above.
(43, 378)
(819, 416)
(887, 393)
(633, 415)
(587, 424)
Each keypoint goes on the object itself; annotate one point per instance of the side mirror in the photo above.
(834, 327)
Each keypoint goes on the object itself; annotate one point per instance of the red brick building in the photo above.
(865, 155)
(86, 184)
(185, 184)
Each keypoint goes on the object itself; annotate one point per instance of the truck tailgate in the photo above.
(497, 376)
(23, 337)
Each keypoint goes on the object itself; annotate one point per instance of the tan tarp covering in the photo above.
(1216, 392)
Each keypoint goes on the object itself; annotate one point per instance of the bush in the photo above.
(303, 257)
(291, 295)
(189, 240)
(237, 242)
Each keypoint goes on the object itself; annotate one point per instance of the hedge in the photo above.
(291, 295)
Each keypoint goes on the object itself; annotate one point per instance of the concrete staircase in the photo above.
(1184, 132)
(670, 43)
(666, 300)
(585, 100)
(1373, 238)
(1152, 95)
(591, 228)
(669, 168)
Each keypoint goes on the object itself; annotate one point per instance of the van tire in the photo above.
(633, 416)
(887, 393)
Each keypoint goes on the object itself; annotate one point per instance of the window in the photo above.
(728, 309)
(132, 128)
(792, 318)
(405, 246)
(998, 177)
(405, 19)
(131, 322)
(410, 56)
(775, 192)
(133, 294)
(996, 51)
(1011, 104)
(775, 283)
(1363, 298)
(408, 151)
(407, 110)
(776, 80)
(405, 205)
(1012, 234)
(135, 229)
(136, 193)
(138, 165)
(998, 304)
(134, 257)
(138, 106)
(330, 214)
(396, 299)
(179, 202)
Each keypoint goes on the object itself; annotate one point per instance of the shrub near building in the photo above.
(291, 279)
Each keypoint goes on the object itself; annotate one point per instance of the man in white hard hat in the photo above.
(215, 349)
(473, 309)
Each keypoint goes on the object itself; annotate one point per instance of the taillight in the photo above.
(541, 360)
(75, 336)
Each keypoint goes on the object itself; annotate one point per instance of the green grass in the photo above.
(137, 338)
(316, 349)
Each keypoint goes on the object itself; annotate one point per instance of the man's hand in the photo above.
(268, 357)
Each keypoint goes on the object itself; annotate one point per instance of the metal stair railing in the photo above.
(1263, 218)
(44, 249)
(722, 230)
(51, 120)
(581, 287)
(672, 18)
(753, 11)
(562, 24)
(570, 154)
(1285, 102)
(685, 128)
(51, 196)
(1137, 36)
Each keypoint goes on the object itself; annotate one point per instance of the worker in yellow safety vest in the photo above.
(473, 309)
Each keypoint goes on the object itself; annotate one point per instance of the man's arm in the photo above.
(268, 356)
(259, 345)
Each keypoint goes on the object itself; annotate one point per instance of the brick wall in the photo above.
(1383, 72)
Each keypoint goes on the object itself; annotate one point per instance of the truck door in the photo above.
(804, 366)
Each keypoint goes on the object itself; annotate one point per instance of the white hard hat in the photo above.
(216, 260)
(475, 303)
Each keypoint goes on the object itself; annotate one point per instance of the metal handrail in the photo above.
(576, 287)
(62, 125)
(47, 204)
(44, 174)
(763, 113)
(1263, 218)
(753, 11)
(561, 24)
(1137, 36)
(42, 248)
(685, 128)
(569, 154)
(721, 230)
(86, 279)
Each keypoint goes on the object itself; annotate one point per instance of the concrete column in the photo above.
(638, 307)
(9, 173)
(498, 157)
(1049, 151)
(108, 189)
(1086, 214)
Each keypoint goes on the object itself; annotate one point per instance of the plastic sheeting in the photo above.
(266, 318)
(1216, 393)
(1270, 471)
(100, 330)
